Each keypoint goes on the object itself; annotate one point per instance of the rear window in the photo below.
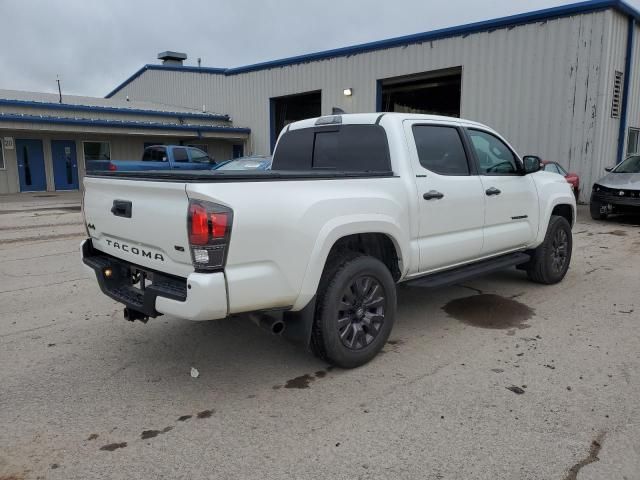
(440, 149)
(154, 154)
(349, 148)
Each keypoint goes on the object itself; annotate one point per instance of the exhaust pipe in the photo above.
(274, 325)
(133, 315)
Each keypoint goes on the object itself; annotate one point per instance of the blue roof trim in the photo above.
(103, 109)
(483, 26)
(12, 117)
(166, 68)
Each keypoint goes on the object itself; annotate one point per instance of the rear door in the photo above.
(511, 199)
(181, 158)
(149, 227)
(450, 195)
(155, 158)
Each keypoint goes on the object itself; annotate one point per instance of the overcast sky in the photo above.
(94, 45)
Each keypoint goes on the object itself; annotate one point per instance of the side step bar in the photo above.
(456, 275)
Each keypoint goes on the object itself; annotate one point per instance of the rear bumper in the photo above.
(201, 296)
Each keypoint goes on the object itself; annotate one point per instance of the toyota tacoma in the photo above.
(314, 248)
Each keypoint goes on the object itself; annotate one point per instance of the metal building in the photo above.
(563, 83)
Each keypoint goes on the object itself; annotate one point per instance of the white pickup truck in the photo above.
(314, 248)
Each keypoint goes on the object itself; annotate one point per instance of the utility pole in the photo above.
(59, 89)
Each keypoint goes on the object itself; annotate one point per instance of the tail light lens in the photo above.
(112, 167)
(209, 228)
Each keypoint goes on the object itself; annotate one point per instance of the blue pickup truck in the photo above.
(158, 157)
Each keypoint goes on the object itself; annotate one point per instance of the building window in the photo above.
(633, 144)
(617, 95)
(2, 166)
(96, 151)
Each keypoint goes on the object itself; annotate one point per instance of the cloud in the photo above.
(94, 45)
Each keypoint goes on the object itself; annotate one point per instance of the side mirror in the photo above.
(532, 164)
(608, 169)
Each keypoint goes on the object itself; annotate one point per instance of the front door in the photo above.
(65, 166)
(31, 166)
(511, 198)
(450, 196)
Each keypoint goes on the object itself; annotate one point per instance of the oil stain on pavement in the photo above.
(304, 381)
(113, 446)
(490, 311)
(154, 433)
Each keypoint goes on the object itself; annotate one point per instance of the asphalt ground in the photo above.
(498, 378)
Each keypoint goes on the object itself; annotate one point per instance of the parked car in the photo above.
(618, 191)
(572, 178)
(158, 157)
(313, 249)
(255, 163)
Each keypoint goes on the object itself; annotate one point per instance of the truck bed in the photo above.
(213, 176)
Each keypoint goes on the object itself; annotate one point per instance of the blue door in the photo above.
(65, 166)
(31, 166)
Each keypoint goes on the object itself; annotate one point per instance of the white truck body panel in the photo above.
(283, 230)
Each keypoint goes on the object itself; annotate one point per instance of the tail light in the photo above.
(112, 167)
(209, 228)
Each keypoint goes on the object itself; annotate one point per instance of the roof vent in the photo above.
(172, 58)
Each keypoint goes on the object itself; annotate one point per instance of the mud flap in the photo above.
(299, 324)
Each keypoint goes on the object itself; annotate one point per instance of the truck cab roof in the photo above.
(372, 118)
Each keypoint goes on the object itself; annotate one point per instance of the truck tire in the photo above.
(594, 209)
(550, 260)
(355, 311)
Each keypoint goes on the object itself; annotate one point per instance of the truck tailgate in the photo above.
(142, 222)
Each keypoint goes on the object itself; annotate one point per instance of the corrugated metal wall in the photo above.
(633, 114)
(545, 85)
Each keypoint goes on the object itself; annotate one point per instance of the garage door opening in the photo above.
(436, 93)
(285, 110)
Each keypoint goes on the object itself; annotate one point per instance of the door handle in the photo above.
(492, 191)
(433, 194)
(121, 208)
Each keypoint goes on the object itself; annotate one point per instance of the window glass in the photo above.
(349, 148)
(1, 157)
(96, 151)
(633, 145)
(180, 154)
(494, 157)
(200, 146)
(551, 167)
(326, 149)
(198, 156)
(561, 170)
(154, 154)
(440, 149)
(629, 165)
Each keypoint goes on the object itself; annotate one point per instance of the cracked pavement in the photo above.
(85, 394)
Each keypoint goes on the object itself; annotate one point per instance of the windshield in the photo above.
(629, 165)
(247, 164)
